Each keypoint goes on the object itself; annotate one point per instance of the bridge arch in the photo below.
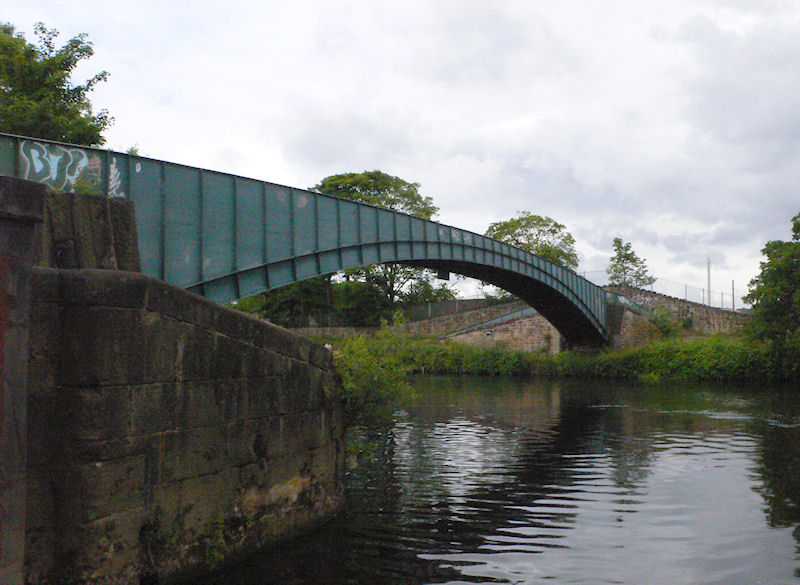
(227, 237)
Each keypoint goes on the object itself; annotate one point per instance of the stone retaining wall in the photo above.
(702, 319)
(436, 326)
(534, 333)
(168, 434)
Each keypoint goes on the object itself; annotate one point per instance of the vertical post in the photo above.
(708, 272)
(21, 207)
(733, 297)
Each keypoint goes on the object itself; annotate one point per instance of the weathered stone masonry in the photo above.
(167, 433)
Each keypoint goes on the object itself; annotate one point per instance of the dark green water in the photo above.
(487, 481)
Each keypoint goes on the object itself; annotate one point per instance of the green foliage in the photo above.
(156, 536)
(775, 296)
(352, 303)
(360, 304)
(373, 378)
(292, 305)
(664, 322)
(711, 358)
(37, 97)
(542, 236)
(389, 192)
(87, 183)
(444, 357)
(422, 291)
(379, 189)
(626, 268)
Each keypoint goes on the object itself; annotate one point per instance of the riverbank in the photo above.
(373, 369)
(717, 357)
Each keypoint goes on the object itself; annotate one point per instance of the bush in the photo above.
(373, 379)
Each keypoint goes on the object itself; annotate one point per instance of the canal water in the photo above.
(522, 482)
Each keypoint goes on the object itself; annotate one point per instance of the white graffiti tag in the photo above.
(115, 180)
(54, 165)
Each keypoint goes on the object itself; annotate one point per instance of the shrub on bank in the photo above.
(374, 369)
(437, 357)
(710, 358)
(373, 379)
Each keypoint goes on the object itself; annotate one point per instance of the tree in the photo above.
(379, 189)
(539, 235)
(383, 190)
(775, 293)
(298, 305)
(360, 304)
(423, 291)
(37, 97)
(625, 268)
(365, 295)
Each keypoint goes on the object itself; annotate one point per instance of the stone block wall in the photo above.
(168, 434)
(700, 319)
(534, 333)
(87, 231)
(437, 326)
(628, 329)
(450, 323)
(21, 210)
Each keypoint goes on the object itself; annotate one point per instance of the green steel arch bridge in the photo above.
(226, 237)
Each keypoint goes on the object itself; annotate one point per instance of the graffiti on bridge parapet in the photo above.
(68, 168)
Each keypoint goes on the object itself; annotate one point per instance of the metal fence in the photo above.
(730, 299)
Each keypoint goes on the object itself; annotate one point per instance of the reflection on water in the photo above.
(498, 481)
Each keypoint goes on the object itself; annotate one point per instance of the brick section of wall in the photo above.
(168, 433)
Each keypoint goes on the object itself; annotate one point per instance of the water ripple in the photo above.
(571, 490)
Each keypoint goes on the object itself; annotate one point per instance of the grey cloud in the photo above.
(745, 90)
(345, 139)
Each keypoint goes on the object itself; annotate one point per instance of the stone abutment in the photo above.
(165, 435)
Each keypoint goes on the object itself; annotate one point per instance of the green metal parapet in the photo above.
(226, 237)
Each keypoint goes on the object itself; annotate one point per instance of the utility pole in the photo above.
(708, 272)
(733, 297)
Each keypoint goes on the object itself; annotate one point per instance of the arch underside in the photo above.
(574, 324)
(578, 315)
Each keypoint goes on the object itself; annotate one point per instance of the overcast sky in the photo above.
(672, 124)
